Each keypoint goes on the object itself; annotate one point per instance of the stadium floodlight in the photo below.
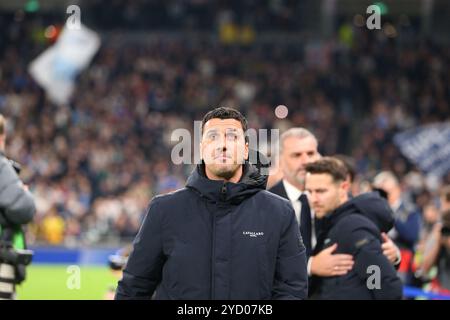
(383, 7)
(32, 6)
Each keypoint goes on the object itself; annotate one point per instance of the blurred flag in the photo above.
(428, 147)
(56, 68)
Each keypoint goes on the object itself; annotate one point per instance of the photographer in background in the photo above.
(436, 251)
(408, 221)
(16, 209)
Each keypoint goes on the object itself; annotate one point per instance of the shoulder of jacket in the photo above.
(280, 205)
(354, 222)
(409, 207)
(170, 197)
(274, 198)
(6, 169)
(354, 232)
(3, 161)
(277, 186)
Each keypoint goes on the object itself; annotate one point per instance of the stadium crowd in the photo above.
(94, 164)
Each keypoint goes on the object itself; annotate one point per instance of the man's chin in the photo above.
(318, 215)
(226, 171)
(300, 180)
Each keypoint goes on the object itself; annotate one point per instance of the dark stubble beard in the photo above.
(226, 173)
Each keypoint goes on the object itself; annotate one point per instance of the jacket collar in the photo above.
(251, 182)
(370, 205)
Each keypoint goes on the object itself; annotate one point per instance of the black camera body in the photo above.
(17, 167)
(117, 262)
(13, 256)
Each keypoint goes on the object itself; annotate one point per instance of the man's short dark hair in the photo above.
(328, 165)
(225, 113)
(349, 164)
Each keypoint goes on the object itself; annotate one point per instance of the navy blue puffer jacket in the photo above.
(216, 240)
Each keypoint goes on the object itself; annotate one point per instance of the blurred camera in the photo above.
(17, 167)
(15, 257)
(117, 262)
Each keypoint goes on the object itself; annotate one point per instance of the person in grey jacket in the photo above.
(16, 209)
(16, 202)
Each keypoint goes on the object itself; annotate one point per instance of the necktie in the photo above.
(305, 223)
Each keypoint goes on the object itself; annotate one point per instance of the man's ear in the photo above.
(201, 151)
(344, 187)
(246, 151)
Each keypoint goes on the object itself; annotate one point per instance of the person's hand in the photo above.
(327, 264)
(390, 250)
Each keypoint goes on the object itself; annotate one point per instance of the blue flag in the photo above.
(428, 147)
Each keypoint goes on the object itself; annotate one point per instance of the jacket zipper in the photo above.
(224, 191)
(213, 245)
(213, 241)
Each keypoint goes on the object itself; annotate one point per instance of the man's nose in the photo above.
(221, 143)
(304, 159)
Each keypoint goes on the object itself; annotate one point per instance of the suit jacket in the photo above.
(279, 190)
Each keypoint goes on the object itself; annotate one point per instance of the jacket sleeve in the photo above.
(371, 264)
(291, 278)
(16, 203)
(143, 271)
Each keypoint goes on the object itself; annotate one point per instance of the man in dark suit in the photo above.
(298, 147)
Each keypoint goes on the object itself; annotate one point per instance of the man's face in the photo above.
(223, 147)
(325, 195)
(298, 152)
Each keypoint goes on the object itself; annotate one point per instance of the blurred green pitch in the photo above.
(49, 282)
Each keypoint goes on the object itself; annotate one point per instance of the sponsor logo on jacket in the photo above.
(252, 234)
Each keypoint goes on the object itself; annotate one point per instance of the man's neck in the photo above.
(344, 199)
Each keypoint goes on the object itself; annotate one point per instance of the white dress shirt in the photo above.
(294, 194)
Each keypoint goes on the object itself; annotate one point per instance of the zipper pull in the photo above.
(224, 189)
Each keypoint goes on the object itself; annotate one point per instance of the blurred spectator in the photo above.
(407, 224)
(435, 248)
(53, 227)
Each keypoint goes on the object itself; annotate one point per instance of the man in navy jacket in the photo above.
(223, 236)
(355, 225)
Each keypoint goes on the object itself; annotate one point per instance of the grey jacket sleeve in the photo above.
(16, 204)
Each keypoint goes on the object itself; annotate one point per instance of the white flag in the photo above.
(56, 68)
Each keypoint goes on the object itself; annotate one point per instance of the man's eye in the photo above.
(231, 136)
(212, 136)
